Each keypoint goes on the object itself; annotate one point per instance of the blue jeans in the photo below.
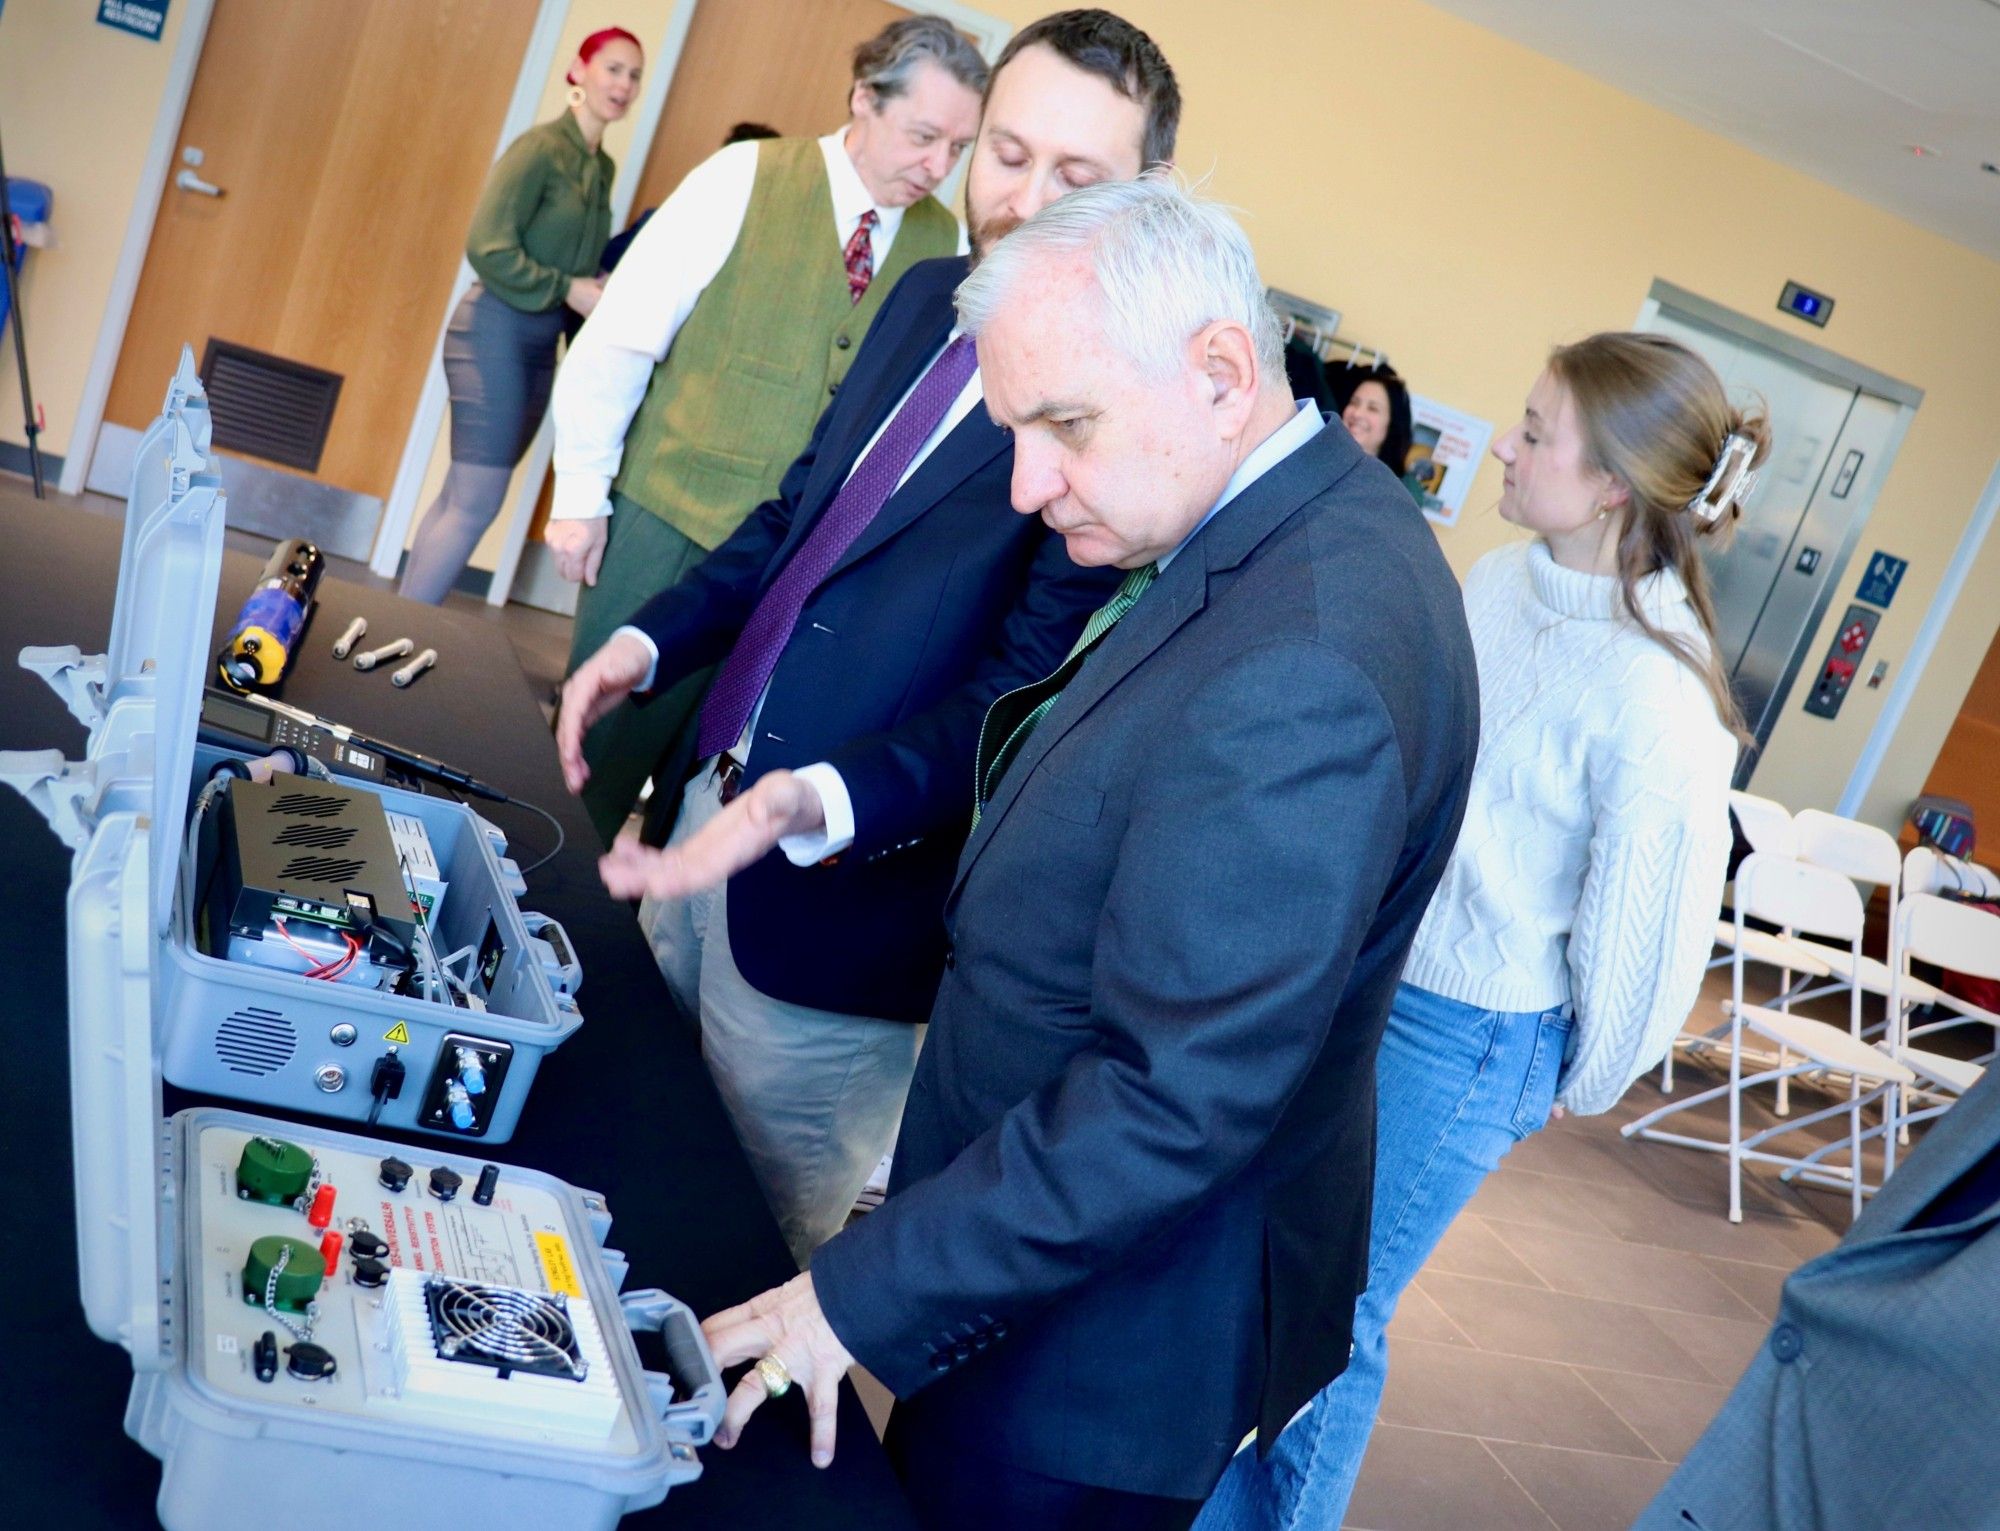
(1455, 1088)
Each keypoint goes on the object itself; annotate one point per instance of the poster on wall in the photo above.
(1445, 451)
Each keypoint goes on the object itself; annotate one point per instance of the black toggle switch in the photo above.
(309, 1362)
(264, 1356)
(395, 1173)
(445, 1183)
(489, 1177)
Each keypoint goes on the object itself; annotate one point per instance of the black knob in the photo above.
(264, 1357)
(489, 1177)
(395, 1173)
(365, 1246)
(309, 1362)
(370, 1272)
(445, 1183)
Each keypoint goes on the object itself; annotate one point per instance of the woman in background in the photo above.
(1376, 412)
(1566, 941)
(534, 247)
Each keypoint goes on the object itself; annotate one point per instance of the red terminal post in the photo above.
(329, 1249)
(321, 1211)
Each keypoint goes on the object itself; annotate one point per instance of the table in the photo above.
(624, 1107)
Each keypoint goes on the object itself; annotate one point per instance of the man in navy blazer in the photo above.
(863, 620)
(1129, 1215)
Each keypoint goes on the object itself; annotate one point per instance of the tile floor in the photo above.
(1575, 1330)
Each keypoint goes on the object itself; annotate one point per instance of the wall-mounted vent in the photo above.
(266, 406)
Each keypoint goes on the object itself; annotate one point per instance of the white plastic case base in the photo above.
(477, 1366)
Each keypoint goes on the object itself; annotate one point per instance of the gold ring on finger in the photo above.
(777, 1379)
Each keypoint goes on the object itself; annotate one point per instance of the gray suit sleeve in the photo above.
(1262, 836)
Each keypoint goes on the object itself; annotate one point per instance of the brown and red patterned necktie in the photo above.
(860, 257)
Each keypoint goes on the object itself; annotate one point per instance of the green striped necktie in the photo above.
(1028, 705)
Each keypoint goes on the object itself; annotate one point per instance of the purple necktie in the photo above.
(747, 670)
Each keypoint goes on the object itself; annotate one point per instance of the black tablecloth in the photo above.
(624, 1107)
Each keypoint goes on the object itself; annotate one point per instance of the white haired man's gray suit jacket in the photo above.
(1874, 1403)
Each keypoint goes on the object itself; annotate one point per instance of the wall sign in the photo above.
(1804, 303)
(1878, 585)
(1842, 662)
(142, 18)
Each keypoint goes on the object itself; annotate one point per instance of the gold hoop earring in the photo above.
(576, 95)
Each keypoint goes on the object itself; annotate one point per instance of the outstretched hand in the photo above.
(600, 683)
(742, 833)
(786, 1323)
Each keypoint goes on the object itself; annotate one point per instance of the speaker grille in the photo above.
(255, 1041)
(267, 406)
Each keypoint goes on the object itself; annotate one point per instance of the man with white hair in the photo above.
(1130, 1209)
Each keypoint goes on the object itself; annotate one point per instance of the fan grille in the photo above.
(503, 1327)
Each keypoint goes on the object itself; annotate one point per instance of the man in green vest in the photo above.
(725, 329)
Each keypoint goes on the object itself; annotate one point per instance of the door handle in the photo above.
(187, 180)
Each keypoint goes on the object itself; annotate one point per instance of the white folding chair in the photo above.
(1953, 935)
(1926, 871)
(1768, 826)
(1792, 896)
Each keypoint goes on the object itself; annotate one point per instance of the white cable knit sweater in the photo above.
(1590, 867)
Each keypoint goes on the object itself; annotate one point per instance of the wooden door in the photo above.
(350, 140)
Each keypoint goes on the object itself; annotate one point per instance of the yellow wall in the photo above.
(77, 103)
(1467, 203)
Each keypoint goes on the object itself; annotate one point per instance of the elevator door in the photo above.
(1829, 450)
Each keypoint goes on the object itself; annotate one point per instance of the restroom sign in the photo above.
(1878, 585)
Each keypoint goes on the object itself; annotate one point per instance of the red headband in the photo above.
(587, 50)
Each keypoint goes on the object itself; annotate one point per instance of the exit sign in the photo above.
(1804, 303)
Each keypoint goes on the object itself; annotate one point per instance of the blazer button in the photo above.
(962, 1352)
(999, 1329)
(950, 957)
(1787, 1344)
(941, 1362)
(842, 341)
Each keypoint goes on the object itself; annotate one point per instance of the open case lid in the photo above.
(122, 885)
(169, 571)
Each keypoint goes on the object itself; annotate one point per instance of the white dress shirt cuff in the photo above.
(837, 833)
(580, 497)
(652, 670)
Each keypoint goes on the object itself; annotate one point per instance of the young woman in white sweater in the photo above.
(1566, 941)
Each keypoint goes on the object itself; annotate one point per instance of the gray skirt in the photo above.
(500, 364)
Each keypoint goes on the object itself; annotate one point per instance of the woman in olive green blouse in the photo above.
(534, 245)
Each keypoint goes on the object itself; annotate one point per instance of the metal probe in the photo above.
(415, 667)
(374, 657)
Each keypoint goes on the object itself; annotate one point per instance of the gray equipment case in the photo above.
(233, 1028)
(374, 1413)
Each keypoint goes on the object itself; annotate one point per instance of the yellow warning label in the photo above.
(397, 1033)
(556, 1266)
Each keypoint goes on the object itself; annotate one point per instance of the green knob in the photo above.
(273, 1171)
(302, 1275)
